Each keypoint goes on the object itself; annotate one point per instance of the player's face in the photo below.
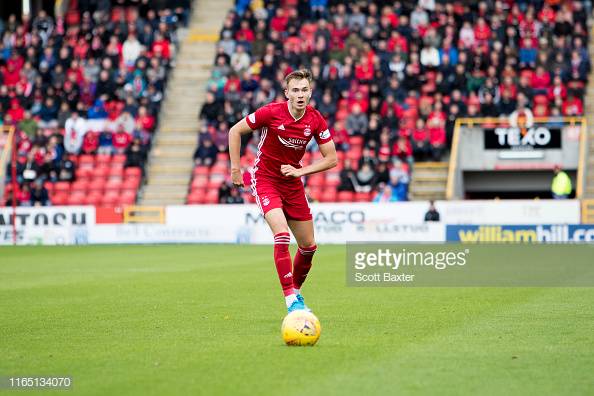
(298, 92)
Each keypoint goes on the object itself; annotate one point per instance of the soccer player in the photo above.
(286, 129)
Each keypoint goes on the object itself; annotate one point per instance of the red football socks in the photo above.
(282, 260)
(302, 265)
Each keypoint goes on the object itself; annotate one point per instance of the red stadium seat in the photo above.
(49, 186)
(214, 184)
(82, 173)
(222, 157)
(86, 159)
(199, 182)
(118, 159)
(62, 186)
(345, 196)
(97, 185)
(110, 198)
(329, 195)
(80, 185)
(113, 185)
(131, 183)
(211, 197)
(76, 198)
(362, 197)
(356, 140)
(132, 171)
(60, 198)
(201, 170)
(315, 192)
(116, 172)
(128, 197)
(315, 180)
(101, 171)
(332, 179)
(102, 158)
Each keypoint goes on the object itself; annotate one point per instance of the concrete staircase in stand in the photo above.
(170, 162)
(429, 181)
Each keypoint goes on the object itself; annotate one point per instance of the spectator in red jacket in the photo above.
(557, 90)
(420, 141)
(11, 75)
(402, 150)
(541, 81)
(16, 111)
(161, 46)
(147, 121)
(573, 106)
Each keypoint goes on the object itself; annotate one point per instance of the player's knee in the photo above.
(308, 244)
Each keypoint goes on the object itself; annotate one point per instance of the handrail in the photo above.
(453, 160)
(581, 171)
(7, 149)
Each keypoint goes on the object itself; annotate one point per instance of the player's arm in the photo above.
(328, 161)
(241, 128)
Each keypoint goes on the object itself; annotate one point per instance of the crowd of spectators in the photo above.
(91, 82)
(397, 74)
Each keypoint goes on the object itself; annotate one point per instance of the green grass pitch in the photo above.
(205, 319)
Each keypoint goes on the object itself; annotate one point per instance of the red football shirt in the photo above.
(284, 138)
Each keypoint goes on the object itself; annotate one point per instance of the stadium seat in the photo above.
(133, 171)
(201, 170)
(199, 182)
(362, 197)
(315, 180)
(103, 159)
(128, 197)
(62, 186)
(329, 195)
(86, 159)
(212, 196)
(79, 185)
(214, 184)
(49, 186)
(93, 198)
(76, 198)
(97, 185)
(113, 185)
(131, 183)
(118, 159)
(345, 196)
(101, 171)
(110, 198)
(315, 192)
(60, 198)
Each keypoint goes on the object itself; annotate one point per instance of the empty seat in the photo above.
(132, 171)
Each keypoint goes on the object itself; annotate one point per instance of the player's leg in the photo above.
(298, 214)
(282, 257)
(304, 234)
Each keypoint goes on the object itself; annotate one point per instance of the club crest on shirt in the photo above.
(265, 201)
(307, 130)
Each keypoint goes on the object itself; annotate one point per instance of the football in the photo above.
(301, 328)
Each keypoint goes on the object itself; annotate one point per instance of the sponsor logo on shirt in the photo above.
(325, 134)
(297, 144)
(252, 118)
(281, 127)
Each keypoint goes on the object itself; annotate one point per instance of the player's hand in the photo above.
(288, 170)
(237, 178)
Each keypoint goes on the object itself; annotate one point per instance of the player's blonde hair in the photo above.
(298, 75)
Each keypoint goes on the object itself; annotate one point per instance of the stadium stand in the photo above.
(84, 93)
(391, 78)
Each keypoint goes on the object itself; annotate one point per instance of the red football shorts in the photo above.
(287, 195)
